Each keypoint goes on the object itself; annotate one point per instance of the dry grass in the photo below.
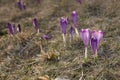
(27, 57)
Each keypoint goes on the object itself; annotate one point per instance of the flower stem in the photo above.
(96, 56)
(85, 59)
(76, 31)
(64, 39)
(71, 38)
(37, 31)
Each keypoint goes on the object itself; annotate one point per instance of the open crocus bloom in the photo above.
(35, 24)
(85, 36)
(95, 40)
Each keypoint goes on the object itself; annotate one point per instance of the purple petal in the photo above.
(63, 24)
(85, 36)
(47, 37)
(74, 18)
(98, 35)
(19, 4)
(10, 27)
(94, 44)
(35, 24)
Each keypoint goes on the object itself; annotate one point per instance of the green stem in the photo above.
(85, 58)
(64, 39)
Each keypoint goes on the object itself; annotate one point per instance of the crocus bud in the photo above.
(74, 18)
(85, 36)
(19, 28)
(19, 4)
(10, 27)
(35, 24)
(74, 21)
(63, 24)
(95, 41)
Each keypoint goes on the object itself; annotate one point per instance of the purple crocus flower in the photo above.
(10, 27)
(74, 21)
(63, 26)
(46, 37)
(19, 4)
(19, 28)
(35, 24)
(85, 36)
(95, 40)
(74, 18)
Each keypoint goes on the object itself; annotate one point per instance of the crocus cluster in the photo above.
(36, 25)
(21, 5)
(12, 28)
(93, 37)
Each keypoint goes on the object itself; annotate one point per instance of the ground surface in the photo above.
(22, 58)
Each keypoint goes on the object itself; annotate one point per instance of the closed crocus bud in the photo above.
(74, 18)
(35, 24)
(74, 21)
(95, 41)
(63, 26)
(19, 28)
(85, 36)
(19, 4)
(10, 27)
